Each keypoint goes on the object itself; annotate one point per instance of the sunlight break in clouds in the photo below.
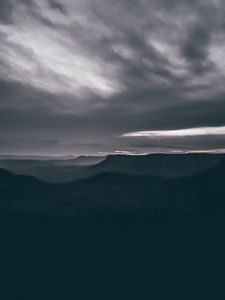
(51, 60)
(178, 132)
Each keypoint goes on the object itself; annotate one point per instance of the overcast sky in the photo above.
(103, 76)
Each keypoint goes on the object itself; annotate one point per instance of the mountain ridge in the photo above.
(110, 190)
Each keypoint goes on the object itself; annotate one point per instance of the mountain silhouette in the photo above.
(110, 190)
(7, 178)
(67, 170)
(162, 165)
(51, 170)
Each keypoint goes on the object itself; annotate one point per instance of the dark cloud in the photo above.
(195, 49)
(78, 75)
(58, 6)
(5, 11)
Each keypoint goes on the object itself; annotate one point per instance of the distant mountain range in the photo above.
(34, 157)
(50, 170)
(162, 165)
(204, 191)
(67, 170)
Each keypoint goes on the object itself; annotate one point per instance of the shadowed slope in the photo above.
(162, 165)
(108, 191)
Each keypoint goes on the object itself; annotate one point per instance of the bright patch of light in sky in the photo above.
(46, 59)
(199, 131)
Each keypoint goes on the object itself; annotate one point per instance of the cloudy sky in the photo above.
(103, 76)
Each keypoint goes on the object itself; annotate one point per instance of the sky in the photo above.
(102, 76)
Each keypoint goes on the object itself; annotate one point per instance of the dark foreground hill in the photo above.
(112, 256)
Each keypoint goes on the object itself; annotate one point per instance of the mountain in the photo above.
(53, 170)
(162, 165)
(85, 160)
(34, 157)
(114, 191)
(29, 163)
(8, 178)
(23, 193)
(5, 176)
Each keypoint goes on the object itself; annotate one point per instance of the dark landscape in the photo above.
(116, 235)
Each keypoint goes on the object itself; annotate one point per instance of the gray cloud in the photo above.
(195, 49)
(58, 6)
(83, 73)
(5, 11)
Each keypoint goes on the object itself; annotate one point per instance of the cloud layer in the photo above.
(76, 76)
